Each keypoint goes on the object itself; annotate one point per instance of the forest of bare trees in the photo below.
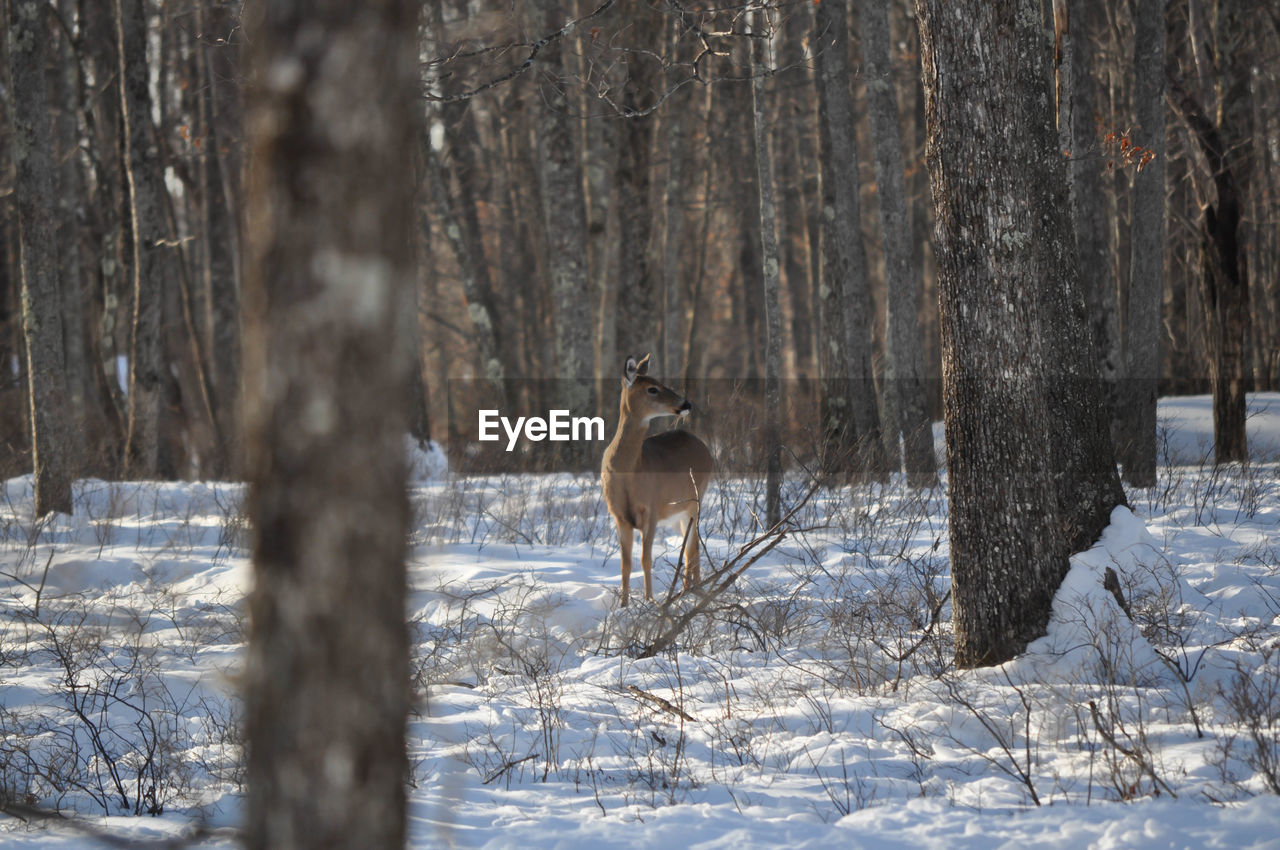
(588, 184)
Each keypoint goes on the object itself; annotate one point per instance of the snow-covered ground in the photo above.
(811, 704)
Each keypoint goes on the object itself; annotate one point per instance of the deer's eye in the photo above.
(653, 390)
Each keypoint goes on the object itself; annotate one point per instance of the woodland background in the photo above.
(587, 189)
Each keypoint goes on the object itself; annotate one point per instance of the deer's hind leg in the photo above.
(692, 565)
(649, 530)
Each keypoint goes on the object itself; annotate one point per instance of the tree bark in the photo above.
(1225, 141)
(328, 287)
(599, 155)
(678, 120)
(32, 150)
(772, 436)
(850, 419)
(747, 301)
(108, 231)
(473, 273)
(564, 210)
(1137, 445)
(1032, 476)
(69, 192)
(1089, 197)
(637, 307)
(151, 260)
(904, 412)
(793, 110)
(462, 229)
(220, 179)
(15, 408)
(694, 338)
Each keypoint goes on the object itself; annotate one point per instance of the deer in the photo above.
(651, 480)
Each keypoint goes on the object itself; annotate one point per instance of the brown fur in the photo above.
(646, 481)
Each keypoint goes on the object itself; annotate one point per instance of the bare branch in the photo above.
(488, 780)
(534, 49)
(662, 703)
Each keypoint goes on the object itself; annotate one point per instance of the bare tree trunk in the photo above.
(678, 120)
(105, 209)
(744, 356)
(850, 419)
(1266, 266)
(1224, 297)
(69, 191)
(564, 211)
(419, 388)
(462, 229)
(793, 91)
(1137, 445)
(153, 248)
(1029, 459)
(602, 246)
(425, 294)
(904, 411)
(637, 309)
(1088, 195)
(15, 407)
(328, 287)
(32, 150)
(772, 437)
(523, 257)
(68, 187)
(219, 60)
(473, 272)
(694, 342)
(1226, 141)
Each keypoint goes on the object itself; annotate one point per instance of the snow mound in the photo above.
(1087, 627)
(426, 463)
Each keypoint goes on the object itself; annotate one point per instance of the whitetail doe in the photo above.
(647, 481)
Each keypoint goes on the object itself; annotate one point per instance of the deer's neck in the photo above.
(623, 454)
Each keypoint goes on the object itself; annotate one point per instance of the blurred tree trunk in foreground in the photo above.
(329, 306)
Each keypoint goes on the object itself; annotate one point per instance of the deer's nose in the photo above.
(684, 407)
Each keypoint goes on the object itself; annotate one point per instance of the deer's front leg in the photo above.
(625, 532)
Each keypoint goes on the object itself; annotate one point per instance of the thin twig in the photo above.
(933, 621)
(35, 611)
(662, 703)
(507, 766)
(722, 579)
(1135, 756)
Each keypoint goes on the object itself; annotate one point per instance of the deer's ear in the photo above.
(642, 368)
(630, 371)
